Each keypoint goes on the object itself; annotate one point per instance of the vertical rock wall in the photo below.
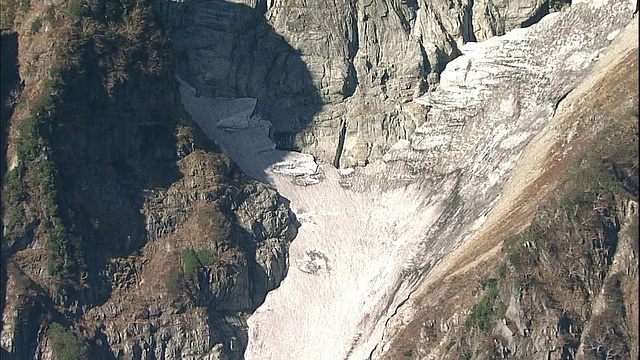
(332, 76)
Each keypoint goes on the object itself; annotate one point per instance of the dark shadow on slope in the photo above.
(228, 50)
(544, 10)
(233, 335)
(113, 138)
(9, 85)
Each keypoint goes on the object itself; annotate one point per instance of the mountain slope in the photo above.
(118, 215)
(573, 201)
(127, 233)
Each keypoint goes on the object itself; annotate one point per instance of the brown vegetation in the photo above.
(549, 260)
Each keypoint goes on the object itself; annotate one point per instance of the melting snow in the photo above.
(369, 235)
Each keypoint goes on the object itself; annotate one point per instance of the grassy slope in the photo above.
(97, 128)
(474, 289)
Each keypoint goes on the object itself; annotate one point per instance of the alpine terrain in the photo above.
(311, 179)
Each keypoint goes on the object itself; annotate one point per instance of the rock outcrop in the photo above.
(208, 319)
(332, 76)
(371, 235)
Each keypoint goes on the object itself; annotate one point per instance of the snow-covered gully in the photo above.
(369, 235)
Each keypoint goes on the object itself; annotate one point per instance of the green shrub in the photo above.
(28, 140)
(13, 195)
(502, 270)
(192, 260)
(65, 344)
(450, 346)
(25, 5)
(206, 258)
(36, 25)
(74, 9)
(482, 315)
(189, 261)
(13, 191)
(15, 217)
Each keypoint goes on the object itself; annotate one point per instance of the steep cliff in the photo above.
(126, 233)
(332, 75)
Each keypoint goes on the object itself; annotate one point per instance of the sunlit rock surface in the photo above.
(331, 75)
(368, 236)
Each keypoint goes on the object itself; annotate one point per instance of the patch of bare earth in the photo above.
(609, 92)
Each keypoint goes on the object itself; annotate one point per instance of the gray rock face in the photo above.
(212, 323)
(270, 229)
(166, 332)
(369, 236)
(331, 76)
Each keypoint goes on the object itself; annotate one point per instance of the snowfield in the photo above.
(369, 235)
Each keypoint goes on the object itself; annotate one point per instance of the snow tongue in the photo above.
(368, 235)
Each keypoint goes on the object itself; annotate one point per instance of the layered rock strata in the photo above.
(332, 77)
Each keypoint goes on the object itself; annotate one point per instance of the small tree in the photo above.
(192, 260)
(189, 261)
(36, 25)
(65, 344)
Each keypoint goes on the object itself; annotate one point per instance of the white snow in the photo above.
(362, 248)
(346, 262)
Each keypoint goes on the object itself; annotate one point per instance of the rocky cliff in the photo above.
(126, 232)
(493, 212)
(333, 77)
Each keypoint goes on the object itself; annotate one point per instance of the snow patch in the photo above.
(369, 236)
(612, 35)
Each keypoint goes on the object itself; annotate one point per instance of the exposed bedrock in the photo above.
(139, 324)
(334, 77)
(369, 236)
